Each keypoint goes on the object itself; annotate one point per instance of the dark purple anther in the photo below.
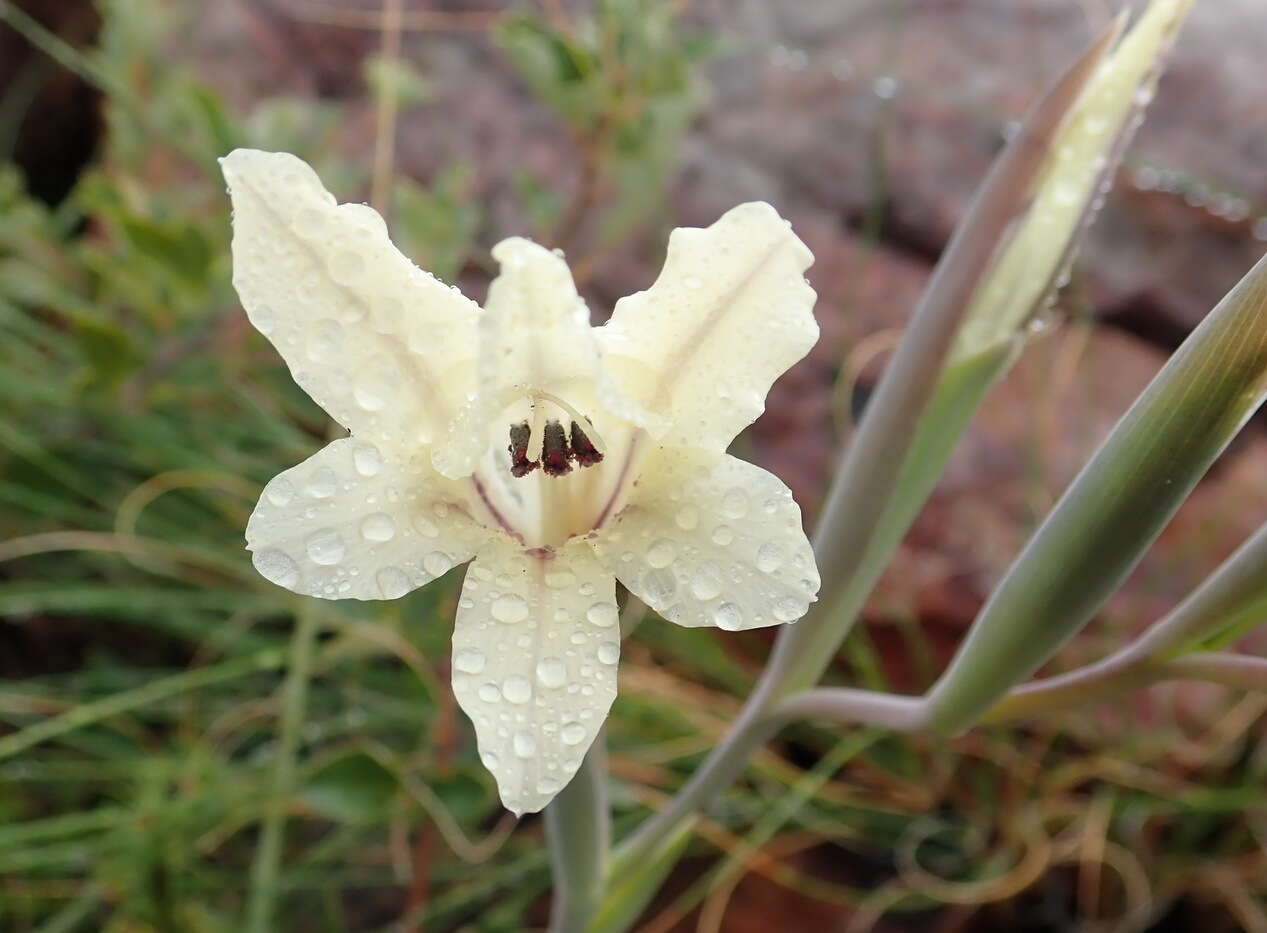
(583, 450)
(555, 454)
(520, 465)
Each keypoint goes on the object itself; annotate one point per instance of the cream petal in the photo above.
(534, 336)
(534, 663)
(382, 346)
(355, 522)
(711, 541)
(730, 312)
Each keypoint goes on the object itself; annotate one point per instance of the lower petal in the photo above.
(711, 541)
(534, 663)
(351, 522)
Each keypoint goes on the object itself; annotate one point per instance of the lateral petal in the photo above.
(711, 541)
(353, 522)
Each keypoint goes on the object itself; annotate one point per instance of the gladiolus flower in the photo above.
(555, 456)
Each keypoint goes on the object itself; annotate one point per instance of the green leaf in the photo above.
(1116, 506)
(352, 788)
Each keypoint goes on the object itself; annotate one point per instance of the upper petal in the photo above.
(534, 336)
(711, 541)
(534, 663)
(382, 346)
(353, 522)
(730, 312)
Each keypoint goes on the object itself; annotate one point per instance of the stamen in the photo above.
(577, 417)
(520, 463)
(536, 435)
(555, 453)
(583, 450)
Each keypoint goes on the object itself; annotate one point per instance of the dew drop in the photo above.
(276, 567)
(552, 672)
(437, 563)
(769, 557)
(516, 689)
(425, 527)
(367, 460)
(723, 535)
(735, 504)
(560, 579)
(346, 266)
(325, 547)
(509, 609)
(392, 582)
(788, 609)
(280, 491)
(602, 614)
(572, 733)
(548, 786)
(687, 517)
(524, 744)
(469, 661)
(658, 588)
(728, 616)
(489, 693)
(490, 760)
(609, 652)
(326, 341)
(372, 390)
(661, 553)
(378, 527)
(706, 582)
(322, 484)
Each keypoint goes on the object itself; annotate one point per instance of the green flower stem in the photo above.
(578, 832)
(265, 871)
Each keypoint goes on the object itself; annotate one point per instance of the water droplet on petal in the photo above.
(276, 567)
(489, 693)
(490, 760)
(524, 744)
(723, 535)
(687, 517)
(706, 582)
(392, 582)
(325, 547)
(516, 689)
(609, 652)
(661, 553)
(280, 491)
(367, 460)
(769, 557)
(509, 609)
(735, 504)
(425, 527)
(658, 588)
(728, 616)
(788, 609)
(437, 563)
(552, 672)
(548, 786)
(378, 527)
(469, 661)
(572, 733)
(602, 614)
(560, 579)
(322, 484)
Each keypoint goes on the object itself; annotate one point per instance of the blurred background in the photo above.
(142, 658)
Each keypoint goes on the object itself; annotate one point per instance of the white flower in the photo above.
(561, 457)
